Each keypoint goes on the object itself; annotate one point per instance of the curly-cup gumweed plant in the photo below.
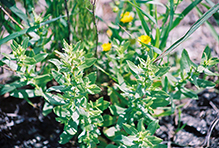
(108, 99)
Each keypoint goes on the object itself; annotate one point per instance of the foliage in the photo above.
(126, 75)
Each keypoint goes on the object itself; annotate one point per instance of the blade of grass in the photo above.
(145, 14)
(101, 69)
(216, 15)
(16, 11)
(143, 22)
(184, 13)
(194, 27)
(167, 29)
(210, 27)
(26, 30)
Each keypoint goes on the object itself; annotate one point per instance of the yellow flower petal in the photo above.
(144, 39)
(127, 17)
(109, 32)
(106, 46)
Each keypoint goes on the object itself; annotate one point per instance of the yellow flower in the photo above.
(127, 17)
(144, 39)
(109, 32)
(106, 46)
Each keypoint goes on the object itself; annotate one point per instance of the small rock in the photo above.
(38, 145)
(45, 142)
(38, 138)
(185, 138)
(194, 123)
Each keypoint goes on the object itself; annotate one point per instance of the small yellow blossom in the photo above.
(109, 32)
(127, 17)
(106, 46)
(144, 39)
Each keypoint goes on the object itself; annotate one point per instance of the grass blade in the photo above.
(204, 18)
(144, 24)
(26, 30)
(210, 27)
(184, 13)
(167, 29)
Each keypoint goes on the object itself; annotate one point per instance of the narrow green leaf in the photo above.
(112, 146)
(129, 129)
(88, 63)
(133, 67)
(166, 30)
(143, 22)
(92, 77)
(154, 140)
(206, 55)
(153, 126)
(60, 88)
(47, 108)
(101, 104)
(188, 93)
(109, 120)
(12, 86)
(54, 99)
(56, 62)
(12, 6)
(10, 64)
(93, 89)
(117, 110)
(205, 84)
(26, 30)
(124, 140)
(111, 76)
(42, 79)
(140, 125)
(22, 93)
(159, 94)
(25, 43)
(190, 31)
(71, 127)
(185, 12)
(144, 13)
(209, 26)
(185, 62)
(162, 71)
(40, 57)
(58, 77)
(159, 102)
(65, 137)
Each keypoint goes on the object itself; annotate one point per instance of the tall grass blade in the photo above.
(204, 18)
(168, 28)
(185, 12)
(26, 30)
(210, 27)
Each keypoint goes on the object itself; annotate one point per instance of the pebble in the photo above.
(45, 142)
(38, 145)
(38, 138)
(185, 138)
(194, 123)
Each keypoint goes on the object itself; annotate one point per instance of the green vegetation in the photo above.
(130, 74)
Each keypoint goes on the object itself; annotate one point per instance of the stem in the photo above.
(11, 18)
(68, 20)
(95, 25)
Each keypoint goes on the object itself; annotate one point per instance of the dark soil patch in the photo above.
(22, 125)
(200, 119)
